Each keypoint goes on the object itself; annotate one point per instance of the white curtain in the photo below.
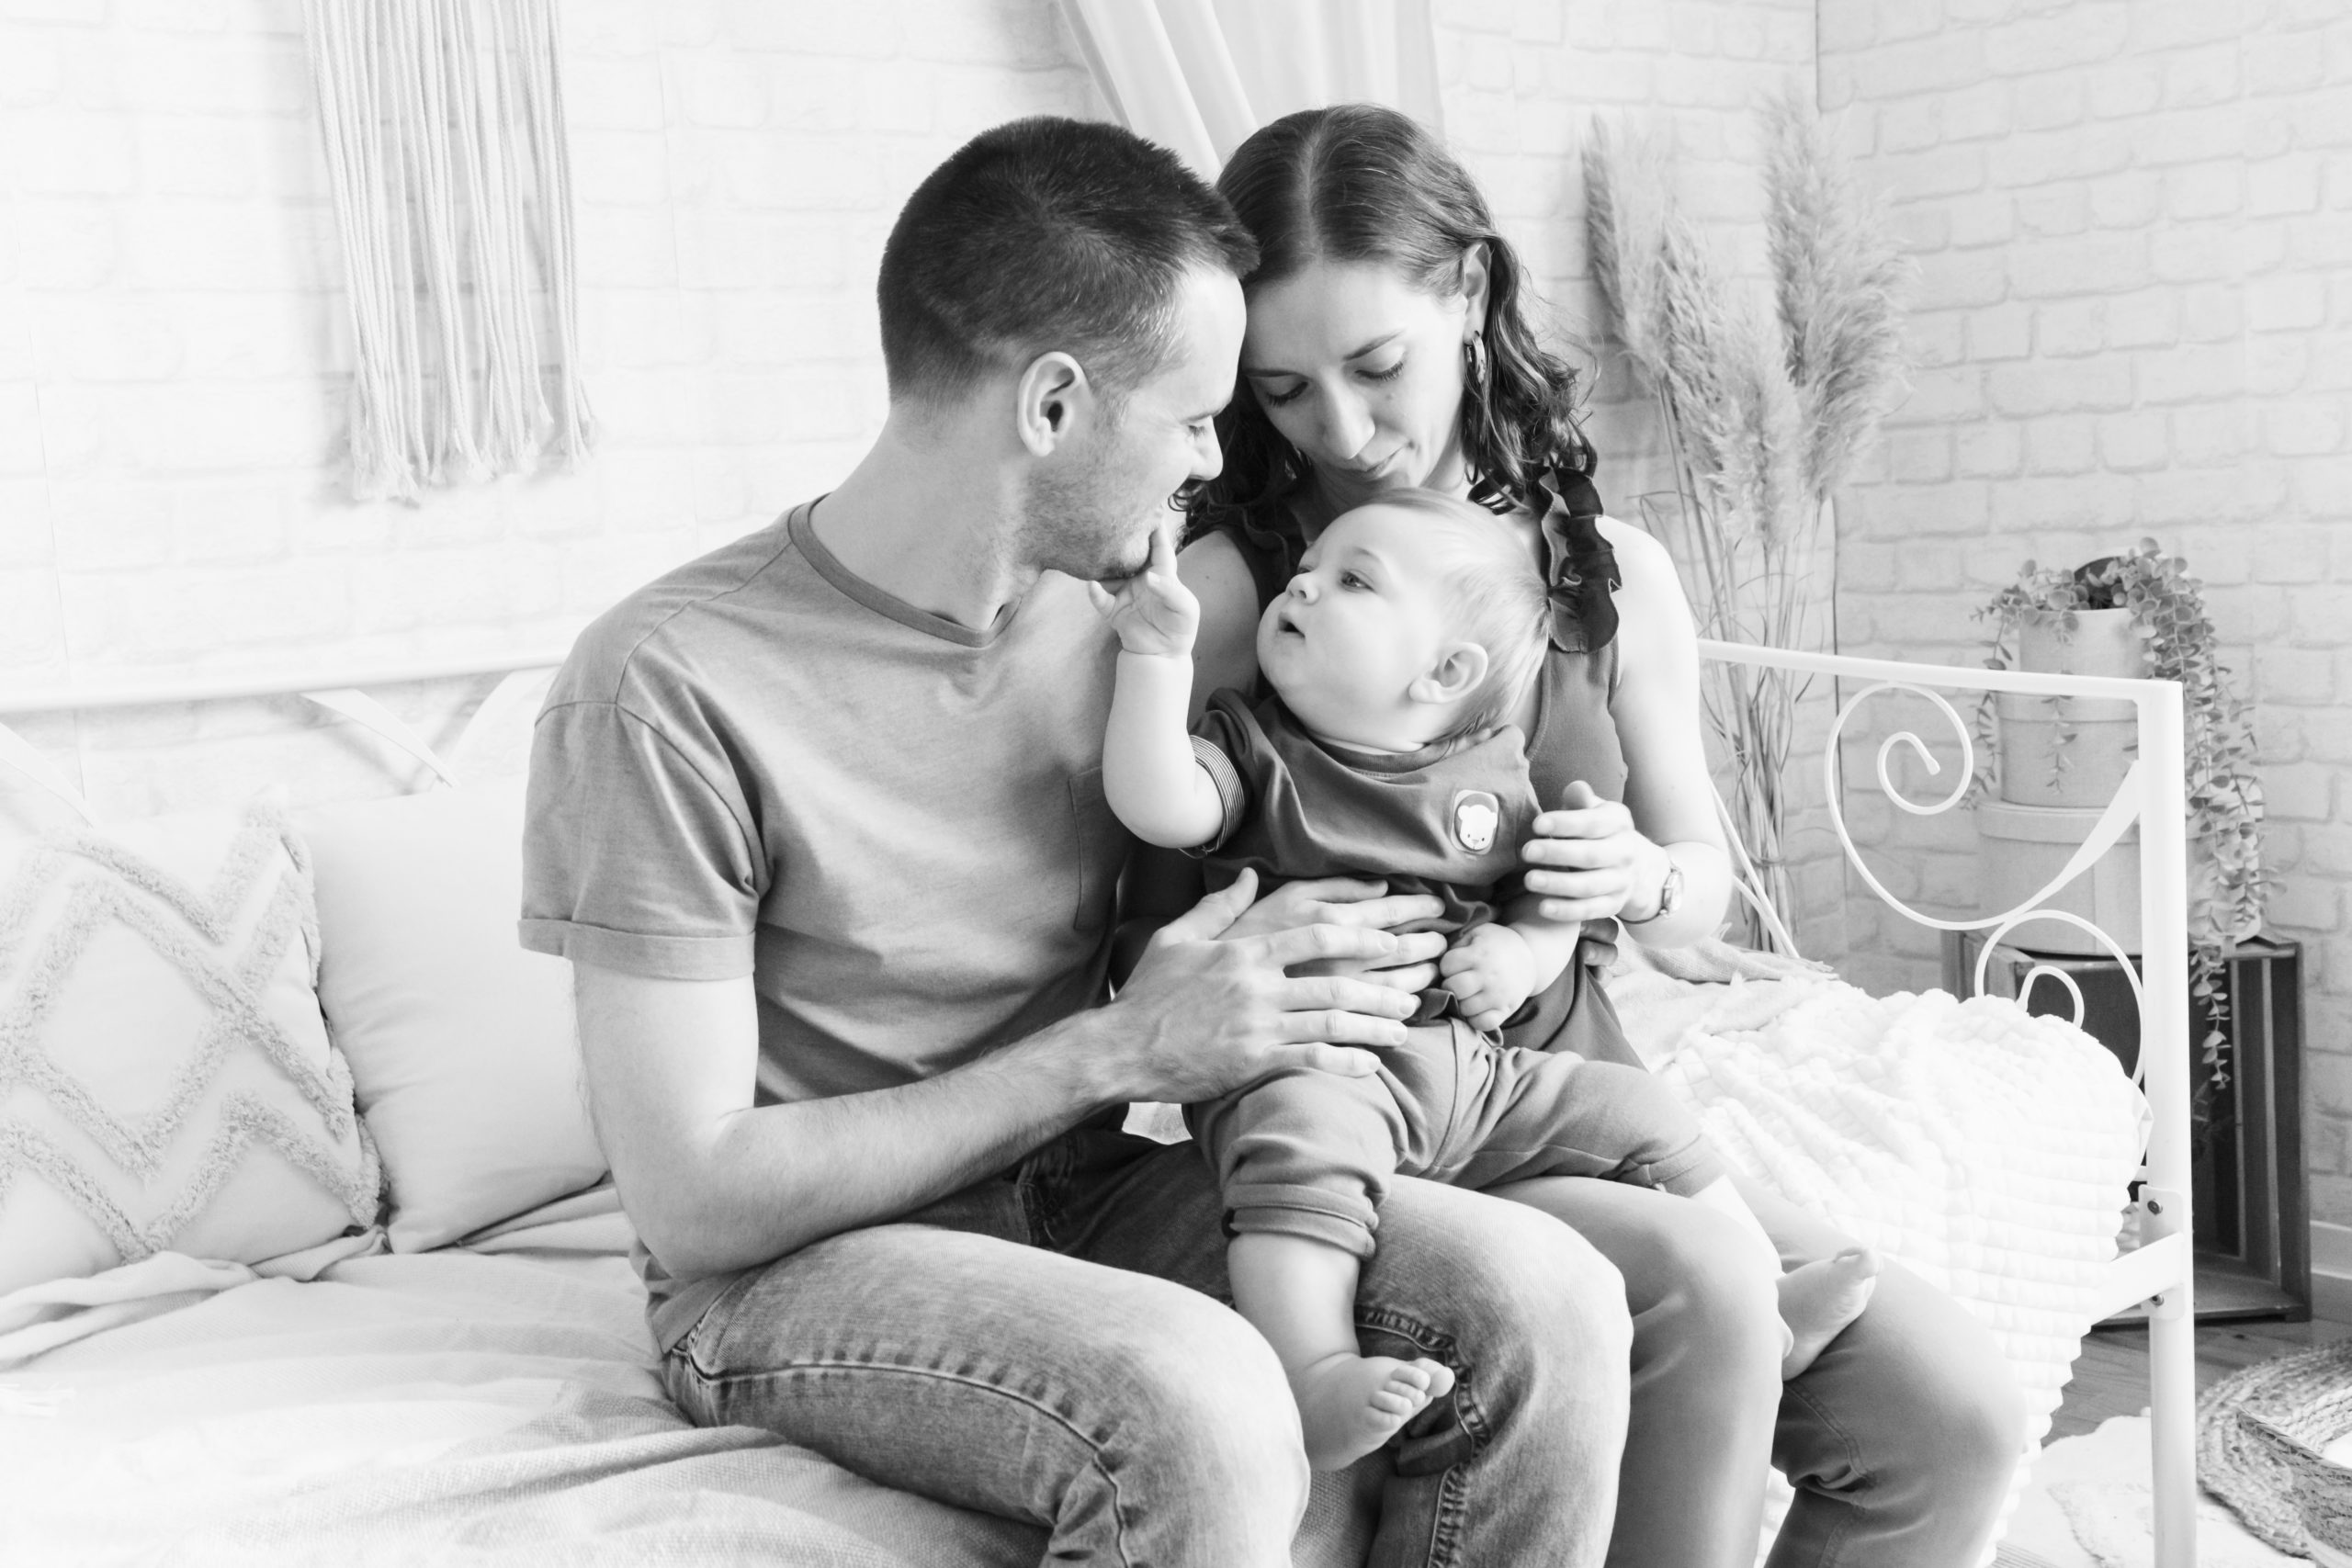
(1199, 76)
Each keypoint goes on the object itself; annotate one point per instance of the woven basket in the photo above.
(2259, 1441)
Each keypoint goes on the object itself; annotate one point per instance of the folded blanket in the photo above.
(1989, 1149)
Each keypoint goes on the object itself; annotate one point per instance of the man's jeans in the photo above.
(1049, 1345)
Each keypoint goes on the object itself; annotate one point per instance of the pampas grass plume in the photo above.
(1838, 282)
(1762, 424)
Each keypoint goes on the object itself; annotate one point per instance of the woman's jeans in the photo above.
(1900, 1440)
(1049, 1345)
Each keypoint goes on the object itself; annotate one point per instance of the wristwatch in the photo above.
(1669, 894)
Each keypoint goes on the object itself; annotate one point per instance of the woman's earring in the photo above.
(1474, 362)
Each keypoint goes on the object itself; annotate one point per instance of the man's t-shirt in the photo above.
(762, 765)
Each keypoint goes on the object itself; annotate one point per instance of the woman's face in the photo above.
(1361, 371)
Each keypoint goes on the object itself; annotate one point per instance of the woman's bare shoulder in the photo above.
(1214, 562)
(1225, 652)
(1652, 617)
(1638, 554)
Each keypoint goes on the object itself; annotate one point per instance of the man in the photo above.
(818, 820)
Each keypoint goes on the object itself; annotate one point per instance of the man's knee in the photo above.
(1496, 1273)
(1202, 1399)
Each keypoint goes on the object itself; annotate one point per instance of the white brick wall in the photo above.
(173, 351)
(2133, 222)
(172, 347)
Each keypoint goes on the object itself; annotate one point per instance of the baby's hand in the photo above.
(1153, 612)
(1490, 972)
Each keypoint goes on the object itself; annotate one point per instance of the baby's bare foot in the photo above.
(1818, 1300)
(1349, 1406)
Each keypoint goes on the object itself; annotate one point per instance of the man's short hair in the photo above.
(1045, 234)
(1495, 594)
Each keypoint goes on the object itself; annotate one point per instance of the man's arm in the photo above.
(715, 1183)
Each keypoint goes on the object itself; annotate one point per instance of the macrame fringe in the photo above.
(446, 149)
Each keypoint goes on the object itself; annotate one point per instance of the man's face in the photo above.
(1092, 506)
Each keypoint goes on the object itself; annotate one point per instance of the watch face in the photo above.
(1670, 892)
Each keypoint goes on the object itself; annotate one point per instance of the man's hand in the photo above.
(1490, 972)
(1349, 901)
(1152, 611)
(1207, 1013)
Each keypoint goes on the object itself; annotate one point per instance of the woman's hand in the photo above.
(1359, 904)
(1587, 861)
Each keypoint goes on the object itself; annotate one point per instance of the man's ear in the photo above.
(1052, 398)
(1475, 282)
(1458, 670)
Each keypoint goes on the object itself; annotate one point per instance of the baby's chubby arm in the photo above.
(1150, 774)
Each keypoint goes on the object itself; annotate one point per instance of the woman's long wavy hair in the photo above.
(1361, 183)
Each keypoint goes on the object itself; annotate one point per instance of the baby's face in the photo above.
(1365, 616)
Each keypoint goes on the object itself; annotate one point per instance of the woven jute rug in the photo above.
(2262, 1440)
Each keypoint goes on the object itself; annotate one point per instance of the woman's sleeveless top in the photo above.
(1574, 736)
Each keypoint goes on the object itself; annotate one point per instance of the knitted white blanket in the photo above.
(1988, 1149)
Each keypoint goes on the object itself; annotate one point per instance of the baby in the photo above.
(1411, 631)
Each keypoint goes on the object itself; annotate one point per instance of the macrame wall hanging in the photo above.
(443, 122)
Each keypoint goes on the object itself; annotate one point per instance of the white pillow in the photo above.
(461, 1040)
(166, 1082)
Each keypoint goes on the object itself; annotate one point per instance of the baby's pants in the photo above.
(1310, 1153)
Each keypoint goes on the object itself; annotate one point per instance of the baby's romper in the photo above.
(1309, 1153)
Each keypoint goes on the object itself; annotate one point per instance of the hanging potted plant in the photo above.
(2138, 613)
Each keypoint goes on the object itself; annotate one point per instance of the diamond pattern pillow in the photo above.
(165, 1079)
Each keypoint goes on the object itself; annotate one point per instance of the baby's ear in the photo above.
(1459, 669)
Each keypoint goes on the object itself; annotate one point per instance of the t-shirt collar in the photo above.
(829, 566)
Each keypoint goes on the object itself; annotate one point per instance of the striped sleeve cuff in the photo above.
(1229, 792)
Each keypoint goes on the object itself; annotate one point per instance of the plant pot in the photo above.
(2022, 847)
(2070, 752)
(2100, 642)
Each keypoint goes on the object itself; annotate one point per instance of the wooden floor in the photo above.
(2111, 1375)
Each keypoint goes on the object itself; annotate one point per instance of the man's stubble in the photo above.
(1090, 518)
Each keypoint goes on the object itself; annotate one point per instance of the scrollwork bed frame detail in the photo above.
(2160, 1271)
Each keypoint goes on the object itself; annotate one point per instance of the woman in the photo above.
(1388, 345)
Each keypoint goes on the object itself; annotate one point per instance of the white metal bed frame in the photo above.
(2159, 1271)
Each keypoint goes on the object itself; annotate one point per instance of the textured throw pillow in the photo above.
(165, 1079)
(461, 1040)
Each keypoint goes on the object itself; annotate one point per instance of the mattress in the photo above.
(500, 1402)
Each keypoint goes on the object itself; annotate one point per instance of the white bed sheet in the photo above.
(485, 1407)
(492, 1405)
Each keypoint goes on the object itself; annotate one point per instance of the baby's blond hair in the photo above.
(1496, 595)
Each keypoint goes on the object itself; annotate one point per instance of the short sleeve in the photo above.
(637, 856)
(1225, 744)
